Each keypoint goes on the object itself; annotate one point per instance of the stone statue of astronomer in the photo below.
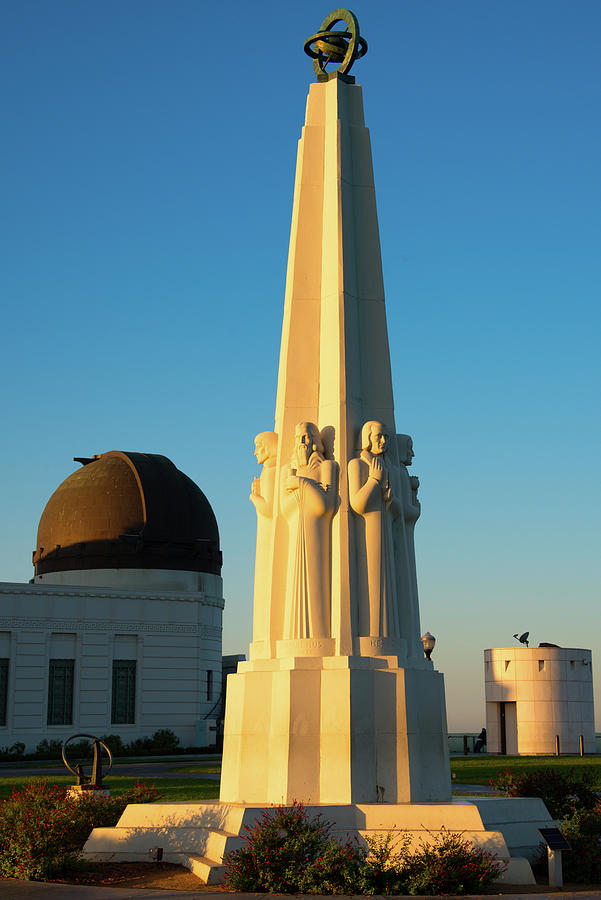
(405, 550)
(261, 496)
(309, 499)
(375, 494)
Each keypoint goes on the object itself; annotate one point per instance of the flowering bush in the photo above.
(286, 852)
(335, 870)
(570, 798)
(561, 792)
(451, 865)
(42, 829)
(582, 829)
(279, 848)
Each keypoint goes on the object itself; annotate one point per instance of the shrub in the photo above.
(78, 751)
(164, 739)
(42, 829)
(336, 870)
(383, 869)
(582, 829)
(279, 848)
(570, 798)
(16, 751)
(560, 791)
(286, 852)
(48, 750)
(139, 747)
(451, 865)
(114, 743)
(53, 750)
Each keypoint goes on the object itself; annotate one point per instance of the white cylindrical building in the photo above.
(535, 695)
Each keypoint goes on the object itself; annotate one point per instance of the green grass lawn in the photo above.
(171, 788)
(480, 769)
(467, 770)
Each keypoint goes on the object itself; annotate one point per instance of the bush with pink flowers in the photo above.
(561, 792)
(288, 852)
(43, 829)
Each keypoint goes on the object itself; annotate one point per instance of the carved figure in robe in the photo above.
(309, 499)
(375, 495)
(408, 596)
(266, 448)
(262, 490)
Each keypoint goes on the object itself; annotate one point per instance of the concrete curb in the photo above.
(14, 889)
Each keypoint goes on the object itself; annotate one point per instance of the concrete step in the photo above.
(207, 870)
(199, 834)
(214, 844)
(518, 871)
(192, 814)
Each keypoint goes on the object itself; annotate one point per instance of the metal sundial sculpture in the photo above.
(328, 46)
(94, 781)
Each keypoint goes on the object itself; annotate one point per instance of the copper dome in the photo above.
(127, 510)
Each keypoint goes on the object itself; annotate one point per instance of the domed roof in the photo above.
(127, 510)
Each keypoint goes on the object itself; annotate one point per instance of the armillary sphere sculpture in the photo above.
(91, 782)
(328, 46)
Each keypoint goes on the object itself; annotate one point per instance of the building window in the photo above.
(3, 690)
(123, 711)
(210, 684)
(60, 692)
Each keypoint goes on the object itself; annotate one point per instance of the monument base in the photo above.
(335, 729)
(198, 835)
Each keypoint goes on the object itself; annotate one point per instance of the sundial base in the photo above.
(78, 791)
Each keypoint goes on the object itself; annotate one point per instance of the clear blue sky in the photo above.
(148, 157)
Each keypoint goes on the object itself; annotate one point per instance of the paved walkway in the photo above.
(11, 889)
(473, 789)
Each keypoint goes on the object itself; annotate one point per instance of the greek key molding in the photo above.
(11, 623)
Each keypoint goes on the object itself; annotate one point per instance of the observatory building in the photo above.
(119, 631)
(537, 698)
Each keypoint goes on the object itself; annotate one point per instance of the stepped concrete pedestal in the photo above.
(199, 835)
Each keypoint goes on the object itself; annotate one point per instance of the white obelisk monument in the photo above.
(337, 707)
(337, 703)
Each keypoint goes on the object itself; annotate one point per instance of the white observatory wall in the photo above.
(173, 635)
(140, 579)
(552, 689)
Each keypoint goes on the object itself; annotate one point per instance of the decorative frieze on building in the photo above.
(13, 623)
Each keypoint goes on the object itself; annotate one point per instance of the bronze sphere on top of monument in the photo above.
(127, 510)
(342, 47)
